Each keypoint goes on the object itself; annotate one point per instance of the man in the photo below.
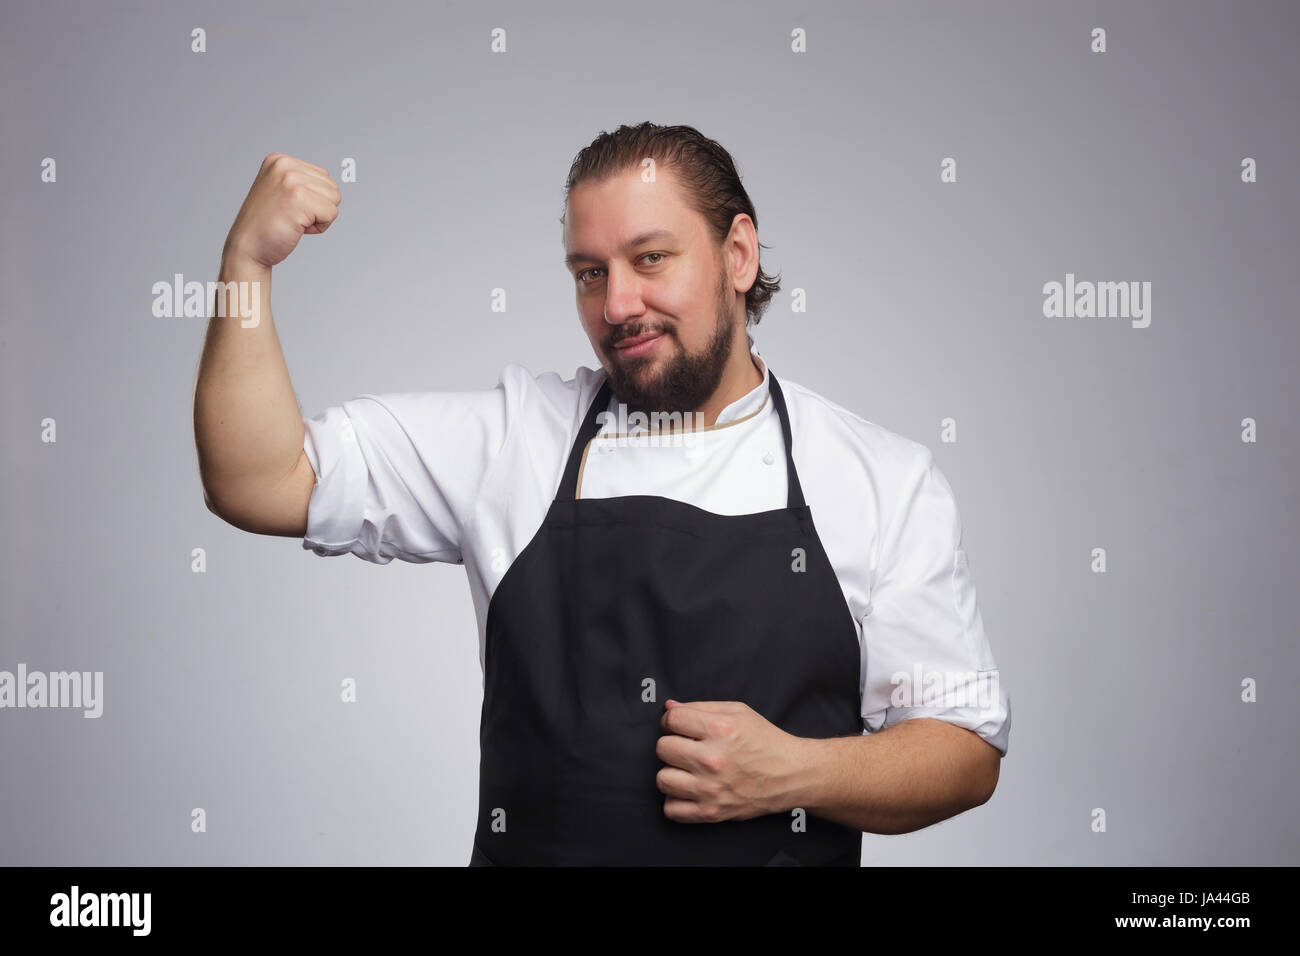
(696, 584)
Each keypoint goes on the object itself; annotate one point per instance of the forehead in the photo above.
(602, 215)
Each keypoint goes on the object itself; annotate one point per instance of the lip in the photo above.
(638, 345)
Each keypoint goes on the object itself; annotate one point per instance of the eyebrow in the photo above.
(651, 235)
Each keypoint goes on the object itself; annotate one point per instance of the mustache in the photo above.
(626, 333)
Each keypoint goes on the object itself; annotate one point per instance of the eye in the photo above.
(580, 276)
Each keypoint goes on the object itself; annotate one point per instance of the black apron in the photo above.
(614, 592)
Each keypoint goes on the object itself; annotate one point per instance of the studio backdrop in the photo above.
(1054, 243)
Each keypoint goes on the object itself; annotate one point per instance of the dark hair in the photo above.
(706, 170)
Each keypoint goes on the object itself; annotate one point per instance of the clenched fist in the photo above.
(289, 198)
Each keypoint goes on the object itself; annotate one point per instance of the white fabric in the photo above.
(468, 477)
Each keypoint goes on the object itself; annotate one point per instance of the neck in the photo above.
(741, 376)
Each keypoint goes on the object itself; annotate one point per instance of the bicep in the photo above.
(282, 509)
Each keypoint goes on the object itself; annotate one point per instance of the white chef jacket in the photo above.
(468, 477)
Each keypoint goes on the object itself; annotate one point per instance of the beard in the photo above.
(685, 381)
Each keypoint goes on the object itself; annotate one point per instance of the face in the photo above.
(654, 292)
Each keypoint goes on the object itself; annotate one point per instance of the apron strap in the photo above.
(794, 494)
(569, 484)
(590, 427)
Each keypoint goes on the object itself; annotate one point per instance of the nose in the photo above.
(622, 296)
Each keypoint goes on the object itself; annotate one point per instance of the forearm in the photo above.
(247, 425)
(910, 776)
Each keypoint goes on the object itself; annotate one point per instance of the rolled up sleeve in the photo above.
(398, 474)
(925, 647)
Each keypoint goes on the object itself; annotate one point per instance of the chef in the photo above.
(699, 642)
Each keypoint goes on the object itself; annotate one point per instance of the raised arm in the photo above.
(247, 425)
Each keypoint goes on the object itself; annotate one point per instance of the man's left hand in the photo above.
(725, 761)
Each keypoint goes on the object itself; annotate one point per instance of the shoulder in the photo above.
(865, 475)
(548, 401)
(833, 430)
(551, 386)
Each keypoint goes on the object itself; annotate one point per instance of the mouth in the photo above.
(638, 345)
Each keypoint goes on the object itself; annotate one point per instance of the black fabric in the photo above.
(612, 591)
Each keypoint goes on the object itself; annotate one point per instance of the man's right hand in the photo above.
(288, 199)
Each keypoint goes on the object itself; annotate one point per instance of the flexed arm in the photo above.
(247, 425)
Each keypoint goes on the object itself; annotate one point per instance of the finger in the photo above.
(677, 783)
(685, 811)
(692, 720)
(308, 178)
(683, 752)
(320, 180)
(320, 187)
(322, 211)
(285, 162)
(720, 706)
(304, 165)
(320, 169)
(686, 720)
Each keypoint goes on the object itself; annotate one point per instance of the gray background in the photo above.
(925, 301)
